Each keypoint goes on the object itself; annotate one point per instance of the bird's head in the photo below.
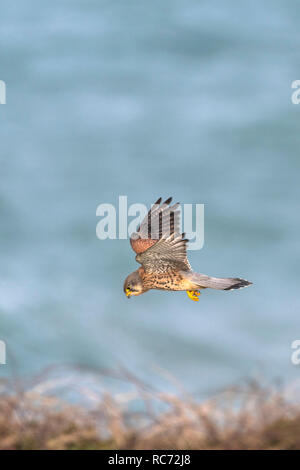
(133, 285)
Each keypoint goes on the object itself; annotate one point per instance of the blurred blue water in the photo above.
(148, 99)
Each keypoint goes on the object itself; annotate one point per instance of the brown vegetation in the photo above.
(246, 418)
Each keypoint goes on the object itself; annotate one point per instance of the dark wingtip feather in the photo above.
(158, 201)
(239, 284)
(168, 200)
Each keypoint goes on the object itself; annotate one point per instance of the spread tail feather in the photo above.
(226, 283)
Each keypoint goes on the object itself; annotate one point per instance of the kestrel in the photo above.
(161, 251)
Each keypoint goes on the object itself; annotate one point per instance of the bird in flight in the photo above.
(161, 250)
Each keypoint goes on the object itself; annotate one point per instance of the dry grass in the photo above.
(251, 417)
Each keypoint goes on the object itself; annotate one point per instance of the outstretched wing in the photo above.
(168, 253)
(162, 220)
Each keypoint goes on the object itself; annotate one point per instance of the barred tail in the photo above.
(226, 283)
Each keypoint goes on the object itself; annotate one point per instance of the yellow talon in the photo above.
(193, 294)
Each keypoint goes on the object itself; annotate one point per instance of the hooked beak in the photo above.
(128, 294)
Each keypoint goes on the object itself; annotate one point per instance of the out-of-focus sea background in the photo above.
(147, 99)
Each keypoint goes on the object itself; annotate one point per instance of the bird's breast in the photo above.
(165, 281)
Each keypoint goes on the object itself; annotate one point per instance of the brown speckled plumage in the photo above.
(161, 251)
(169, 280)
